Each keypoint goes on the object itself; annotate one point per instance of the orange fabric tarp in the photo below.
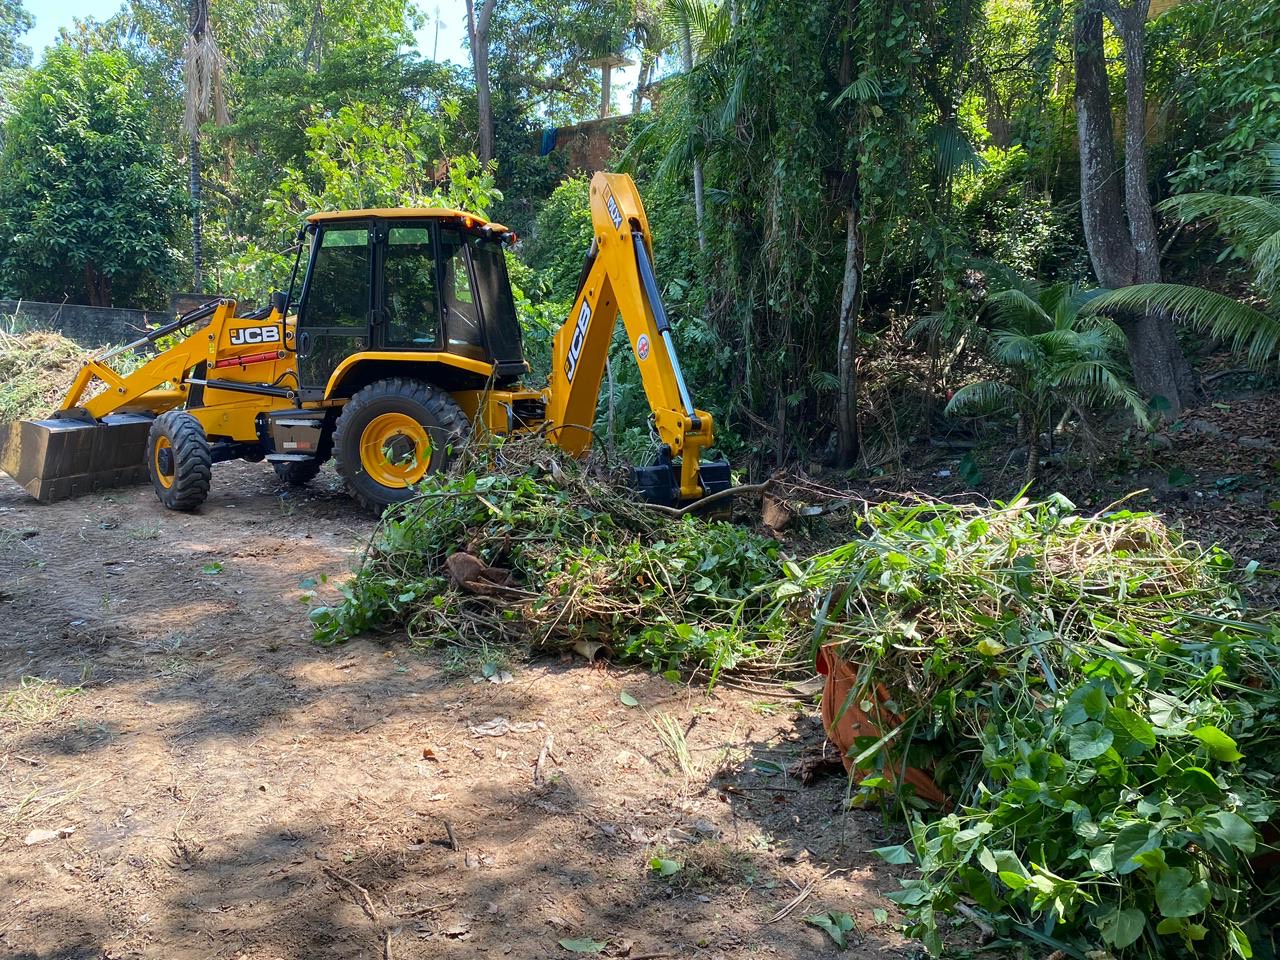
(843, 730)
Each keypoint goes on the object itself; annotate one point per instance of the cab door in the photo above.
(408, 296)
(335, 313)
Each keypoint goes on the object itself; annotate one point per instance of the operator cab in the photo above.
(408, 285)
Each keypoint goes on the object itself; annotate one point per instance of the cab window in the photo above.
(410, 307)
(338, 294)
(461, 314)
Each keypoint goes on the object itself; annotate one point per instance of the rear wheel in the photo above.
(179, 460)
(393, 433)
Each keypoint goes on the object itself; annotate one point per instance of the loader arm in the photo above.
(618, 277)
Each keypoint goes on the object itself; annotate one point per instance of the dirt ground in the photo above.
(217, 785)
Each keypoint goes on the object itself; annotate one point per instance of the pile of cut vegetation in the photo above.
(1089, 692)
(1096, 702)
(36, 368)
(527, 546)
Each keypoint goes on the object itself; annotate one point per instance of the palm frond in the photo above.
(1246, 221)
(981, 397)
(953, 153)
(1266, 263)
(203, 72)
(1012, 347)
(866, 89)
(1101, 385)
(1271, 179)
(707, 21)
(1016, 309)
(733, 102)
(1249, 332)
(1001, 276)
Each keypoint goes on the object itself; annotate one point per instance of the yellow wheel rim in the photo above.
(395, 450)
(163, 445)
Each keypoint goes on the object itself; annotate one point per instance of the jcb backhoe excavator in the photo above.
(404, 343)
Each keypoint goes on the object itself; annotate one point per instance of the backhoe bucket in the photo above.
(59, 459)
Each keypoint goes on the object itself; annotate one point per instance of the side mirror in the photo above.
(280, 302)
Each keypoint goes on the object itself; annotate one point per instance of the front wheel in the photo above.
(393, 433)
(179, 460)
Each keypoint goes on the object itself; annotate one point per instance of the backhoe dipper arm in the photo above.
(618, 278)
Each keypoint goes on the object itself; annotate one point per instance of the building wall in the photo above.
(1161, 6)
(89, 326)
(588, 146)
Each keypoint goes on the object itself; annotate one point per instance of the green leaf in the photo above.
(1134, 840)
(990, 648)
(212, 569)
(880, 915)
(1199, 780)
(912, 894)
(896, 854)
(663, 867)
(1182, 927)
(1233, 829)
(1119, 928)
(628, 700)
(1088, 740)
(1133, 735)
(582, 945)
(1240, 944)
(837, 925)
(1086, 702)
(307, 583)
(1100, 858)
(1220, 746)
(1178, 896)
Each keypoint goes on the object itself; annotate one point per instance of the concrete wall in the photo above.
(588, 145)
(89, 326)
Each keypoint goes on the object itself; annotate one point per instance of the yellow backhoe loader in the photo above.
(403, 344)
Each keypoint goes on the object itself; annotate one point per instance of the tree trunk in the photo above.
(478, 38)
(686, 54)
(97, 286)
(848, 436)
(1101, 204)
(197, 219)
(1120, 231)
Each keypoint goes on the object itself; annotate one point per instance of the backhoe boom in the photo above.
(618, 278)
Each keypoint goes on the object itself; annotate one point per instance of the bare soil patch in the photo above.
(221, 787)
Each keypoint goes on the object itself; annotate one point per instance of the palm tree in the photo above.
(1051, 357)
(1252, 225)
(204, 100)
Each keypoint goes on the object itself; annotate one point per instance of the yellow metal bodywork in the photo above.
(161, 383)
(258, 351)
(581, 346)
(344, 369)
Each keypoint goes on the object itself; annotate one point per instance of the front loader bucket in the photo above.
(63, 458)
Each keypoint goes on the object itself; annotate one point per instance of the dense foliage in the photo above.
(1093, 697)
(87, 204)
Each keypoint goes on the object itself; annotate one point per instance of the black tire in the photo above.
(178, 460)
(446, 426)
(298, 473)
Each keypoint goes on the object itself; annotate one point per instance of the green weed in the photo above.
(35, 700)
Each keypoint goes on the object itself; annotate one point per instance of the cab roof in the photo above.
(406, 213)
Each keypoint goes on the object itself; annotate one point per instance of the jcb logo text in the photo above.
(575, 345)
(245, 335)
